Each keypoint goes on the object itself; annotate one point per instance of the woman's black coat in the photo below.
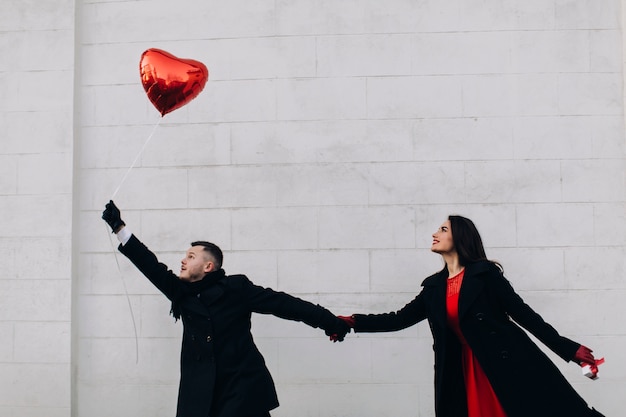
(525, 380)
(222, 372)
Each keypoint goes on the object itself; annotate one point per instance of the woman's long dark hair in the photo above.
(467, 241)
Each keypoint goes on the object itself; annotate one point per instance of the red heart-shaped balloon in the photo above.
(171, 82)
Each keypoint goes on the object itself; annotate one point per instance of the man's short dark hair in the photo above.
(213, 249)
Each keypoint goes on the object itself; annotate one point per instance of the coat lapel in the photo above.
(438, 283)
(199, 303)
(193, 304)
(471, 288)
(210, 295)
(206, 293)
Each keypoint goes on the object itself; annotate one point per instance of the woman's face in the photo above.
(442, 239)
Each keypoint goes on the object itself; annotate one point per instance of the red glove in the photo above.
(349, 320)
(584, 355)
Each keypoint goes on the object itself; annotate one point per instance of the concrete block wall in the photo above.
(331, 140)
(36, 196)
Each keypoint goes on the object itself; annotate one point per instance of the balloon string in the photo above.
(130, 307)
(119, 268)
(136, 158)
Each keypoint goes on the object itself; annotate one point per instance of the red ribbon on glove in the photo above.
(591, 371)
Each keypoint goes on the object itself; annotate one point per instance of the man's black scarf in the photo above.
(195, 288)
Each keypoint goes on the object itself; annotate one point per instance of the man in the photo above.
(222, 372)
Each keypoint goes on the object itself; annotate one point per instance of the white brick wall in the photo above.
(330, 141)
(36, 177)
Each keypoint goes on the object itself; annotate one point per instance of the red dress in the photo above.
(481, 400)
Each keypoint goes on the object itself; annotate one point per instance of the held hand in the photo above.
(339, 331)
(335, 338)
(347, 324)
(584, 355)
(112, 216)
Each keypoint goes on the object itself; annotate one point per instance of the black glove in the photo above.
(339, 331)
(111, 215)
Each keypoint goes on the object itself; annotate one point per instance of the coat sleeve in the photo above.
(147, 263)
(410, 314)
(530, 320)
(267, 301)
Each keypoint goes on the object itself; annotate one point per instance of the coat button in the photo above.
(208, 338)
(480, 316)
(504, 354)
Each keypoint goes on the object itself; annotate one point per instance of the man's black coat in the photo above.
(525, 380)
(222, 372)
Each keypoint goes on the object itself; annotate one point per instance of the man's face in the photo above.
(196, 264)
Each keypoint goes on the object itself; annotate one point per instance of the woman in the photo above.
(485, 364)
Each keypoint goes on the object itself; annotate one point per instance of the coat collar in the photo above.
(209, 291)
(198, 295)
(471, 288)
(471, 270)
